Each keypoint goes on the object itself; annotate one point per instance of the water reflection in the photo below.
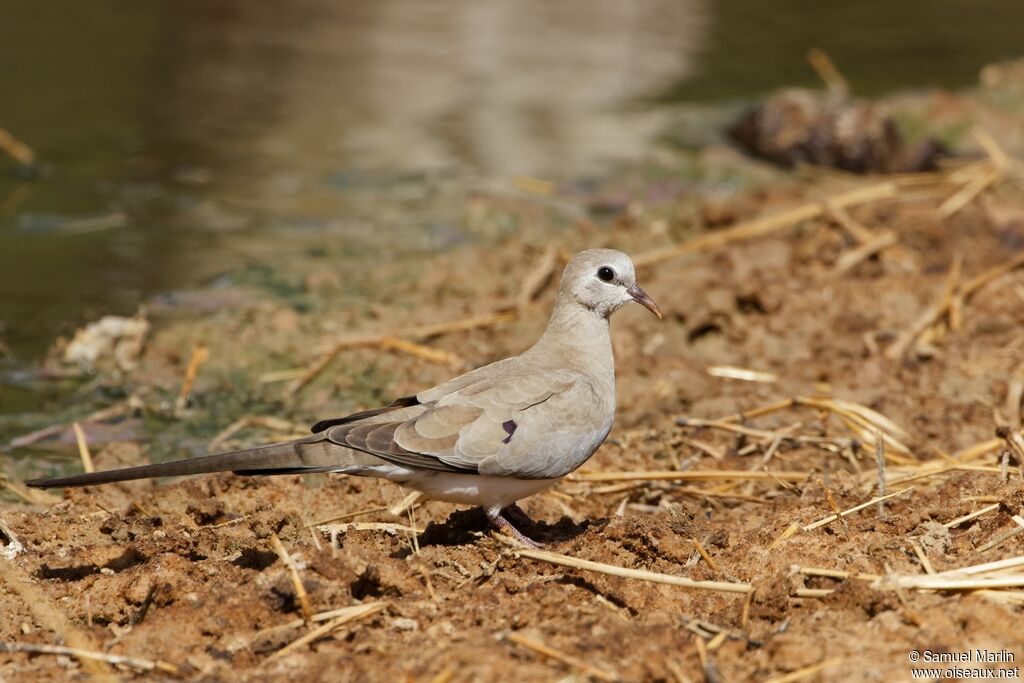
(489, 87)
(214, 126)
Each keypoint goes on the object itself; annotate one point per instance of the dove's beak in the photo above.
(641, 297)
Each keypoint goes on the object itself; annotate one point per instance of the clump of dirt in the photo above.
(185, 574)
(803, 127)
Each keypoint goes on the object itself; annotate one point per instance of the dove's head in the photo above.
(602, 280)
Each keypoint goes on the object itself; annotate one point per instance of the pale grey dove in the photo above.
(491, 437)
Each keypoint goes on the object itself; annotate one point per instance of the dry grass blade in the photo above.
(717, 641)
(83, 448)
(862, 420)
(976, 177)
(857, 508)
(744, 374)
(989, 580)
(767, 409)
(773, 446)
(29, 495)
(274, 376)
(17, 149)
(687, 475)
(724, 425)
(422, 352)
(930, 316)
(137, 663)
(295, 623)
(101, 415)
(842, 218)
(766, 225)
(896, 452)
(535, 282)
(966, 193)
(872, 417)
(979, 450)
(445, 675)
(837, 574)
(936, 469)
(953, 583)
(262, 421)
(807, 671)
(973, 515)
(827, 71)
(574, 662)
(642, 575)
(676, 669)
(1007, 597)
(970, 287)
(995, 152)
(399, 508)
(300, 590)
(922, 557)
(713, 451)
(790, 531)
(199, 356)
(347, 515)
(408, 336)
(852, 258)
(987, 567)
(1002, 537)
(704, 493)
(707, 558)
(351, 614)
(425, 332)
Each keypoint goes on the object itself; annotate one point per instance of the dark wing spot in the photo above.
(510, 427)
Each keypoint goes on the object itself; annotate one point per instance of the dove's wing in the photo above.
(477, 427)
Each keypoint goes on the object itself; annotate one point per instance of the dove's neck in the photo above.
(579, 338)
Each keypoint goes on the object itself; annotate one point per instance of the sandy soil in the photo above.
(186, 572)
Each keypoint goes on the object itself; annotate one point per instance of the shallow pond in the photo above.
(179, 139)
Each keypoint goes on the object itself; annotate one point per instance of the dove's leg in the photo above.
(494, 516)
(516, 515)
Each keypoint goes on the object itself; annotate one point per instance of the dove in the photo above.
(488, 438)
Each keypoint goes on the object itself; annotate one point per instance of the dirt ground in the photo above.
(186, 572)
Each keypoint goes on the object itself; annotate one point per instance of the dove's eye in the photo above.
(605, 274)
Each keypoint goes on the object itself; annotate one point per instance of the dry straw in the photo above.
(640, 574)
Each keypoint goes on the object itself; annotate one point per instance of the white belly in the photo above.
(476, 489)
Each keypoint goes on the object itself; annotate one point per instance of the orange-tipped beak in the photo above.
(642, 298)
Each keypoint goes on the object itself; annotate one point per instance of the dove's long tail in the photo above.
(312, 454)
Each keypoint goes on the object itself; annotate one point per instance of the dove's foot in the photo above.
(498, 521)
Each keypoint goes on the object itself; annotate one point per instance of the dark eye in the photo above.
(605, 274)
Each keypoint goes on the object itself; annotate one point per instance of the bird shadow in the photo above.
(464, 527)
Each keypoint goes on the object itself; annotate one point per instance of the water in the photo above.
(182, 138)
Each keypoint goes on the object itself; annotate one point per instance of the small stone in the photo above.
(405, 624)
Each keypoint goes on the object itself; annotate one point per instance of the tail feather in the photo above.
(312, 454)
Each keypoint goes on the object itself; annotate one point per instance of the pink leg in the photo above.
(506, 527)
